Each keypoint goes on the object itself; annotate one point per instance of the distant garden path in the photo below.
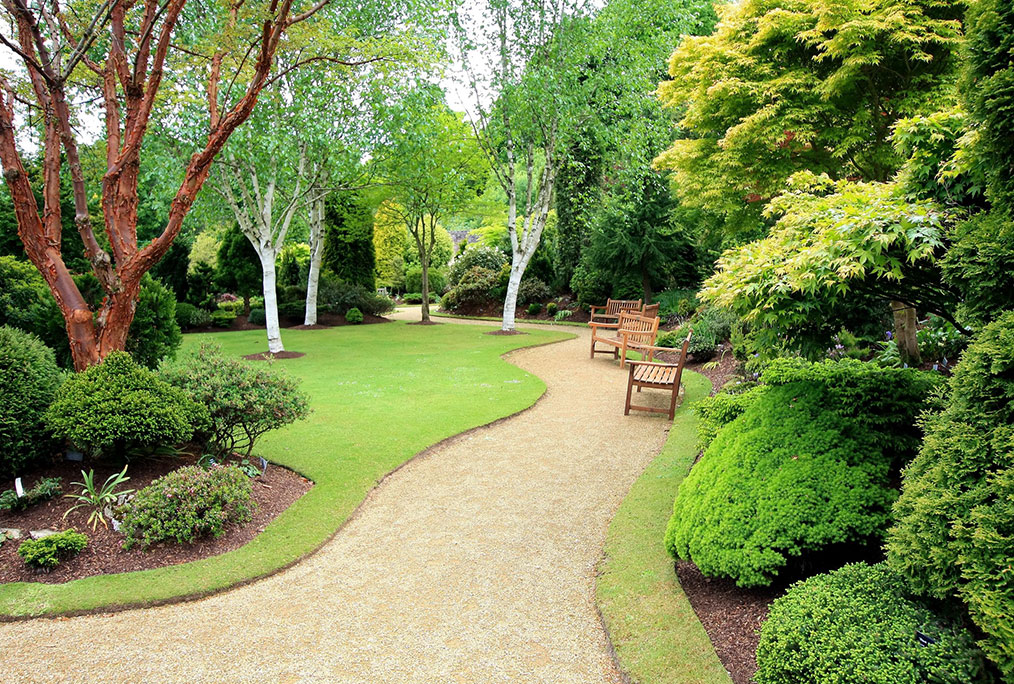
(475, 563)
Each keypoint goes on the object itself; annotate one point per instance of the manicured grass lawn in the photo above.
(653, 628)
(380, 394)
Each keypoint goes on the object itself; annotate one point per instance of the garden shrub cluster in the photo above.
(954, 519)
(188, 503)
(488, 258)
(46, 553)
(118, 407)
(243, 401)
(336, 296)
(857, 624)
(29, 377)
(189, 316)
(806, 465)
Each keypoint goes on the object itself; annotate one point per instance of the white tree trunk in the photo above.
(268, 257)
(316, 253)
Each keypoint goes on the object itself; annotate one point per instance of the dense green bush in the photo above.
(188, 503)
(805, 466)
(46, 553)
(857, 625)
(354, 316)
(154, 333)
(223, 318)
(244, 400)
(676, 303)
(717, 411)
(954, 519)
(532, 290)
(189, 316)
(489, 258)
(416, 298)
(980, 265)
(534, 309)
(29, 378)
(43, 490)
(475, 288)
(336, 296)
(256, 317)
(118, 406)
(27, 304)
(552, 308)
(413, 280)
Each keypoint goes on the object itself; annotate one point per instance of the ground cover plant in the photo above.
(353, 376)
(47, 552)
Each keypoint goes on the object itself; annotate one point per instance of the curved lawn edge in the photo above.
(653, 630)
(299, 532)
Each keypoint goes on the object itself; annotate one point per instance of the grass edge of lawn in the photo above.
(298, 533)
(653, 630)
(495, 319)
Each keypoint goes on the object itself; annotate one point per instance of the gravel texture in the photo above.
(473, 563)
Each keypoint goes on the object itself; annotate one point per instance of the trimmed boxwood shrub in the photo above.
(256, 317)
(46, 553)
(717, 411)
(534, 309)
(802, 468)
(354, 316)
(857, 625)
(188, 503)
(954, 529)
(243, 400)
(117, 407)
(29, 377)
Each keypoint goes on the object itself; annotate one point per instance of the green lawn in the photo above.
(380, 394)
(653, 628)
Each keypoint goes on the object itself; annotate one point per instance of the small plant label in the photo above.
(18, 488)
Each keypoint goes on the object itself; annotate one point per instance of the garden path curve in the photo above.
(475, 563)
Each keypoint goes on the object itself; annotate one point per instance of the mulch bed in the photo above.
(495, 310)
(505, 332)
(269, 356)
(274, 492)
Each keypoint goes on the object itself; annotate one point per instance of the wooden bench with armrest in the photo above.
(610, 313)
(664, 376)
(648, 311)
(634, 333)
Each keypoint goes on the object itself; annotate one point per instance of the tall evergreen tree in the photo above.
(348, 239)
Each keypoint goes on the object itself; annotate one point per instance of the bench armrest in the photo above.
(610, 326)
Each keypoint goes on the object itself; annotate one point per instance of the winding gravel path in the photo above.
(475, 563)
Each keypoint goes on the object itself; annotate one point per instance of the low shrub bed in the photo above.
(46, 553)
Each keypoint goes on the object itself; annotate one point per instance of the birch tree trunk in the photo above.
(268, 256)
(316, 254)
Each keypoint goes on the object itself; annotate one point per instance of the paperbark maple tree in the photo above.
(125, 44)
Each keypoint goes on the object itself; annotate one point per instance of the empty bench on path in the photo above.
(632, 332)
(610, 313)
(664, 376)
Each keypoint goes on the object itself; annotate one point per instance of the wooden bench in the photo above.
(665, 376)
(632, 332)
(610, 313)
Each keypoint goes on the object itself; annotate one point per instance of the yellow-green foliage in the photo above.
(390, 241)
(857, 624)
(954, 534)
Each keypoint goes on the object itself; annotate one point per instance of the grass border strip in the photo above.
(495, 319)
(653, 631)
(198, 595)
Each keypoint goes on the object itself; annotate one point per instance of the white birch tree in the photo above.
(522, 75)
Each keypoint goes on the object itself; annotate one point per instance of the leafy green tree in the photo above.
(833, 246)
(435, 167)
(390, 243)
(172, 270)
(238, 268)
(789, 85)
(348, 239)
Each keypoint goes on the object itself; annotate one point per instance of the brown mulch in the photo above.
(505, 332)
(731, 616)
(269, 356)
(274, 492)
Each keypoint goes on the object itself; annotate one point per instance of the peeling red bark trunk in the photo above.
(129, 87)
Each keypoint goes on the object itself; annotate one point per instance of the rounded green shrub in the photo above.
(715, 412)
(189, 316)
(46, 553)
(243, 400)
(954, 529)
(533, 290)
(475, 288)
(552, 308)
(856, 624)
(534, 309)
(489, 258)
(256, 317)
(188, 503)
(223, 318)
(117, 407)
(354, 316)
(154, 333)
(29, 377)
(803, 467)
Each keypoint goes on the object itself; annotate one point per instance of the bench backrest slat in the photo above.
(640, 329)
(617, 306)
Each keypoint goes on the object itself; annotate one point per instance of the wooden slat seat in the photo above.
(633, 333)
(610, 313)
(665, 376)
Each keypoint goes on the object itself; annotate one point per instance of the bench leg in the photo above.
(592, 354)
(675, 395)
(630, 385)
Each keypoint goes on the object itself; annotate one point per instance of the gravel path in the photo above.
(475, 563)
